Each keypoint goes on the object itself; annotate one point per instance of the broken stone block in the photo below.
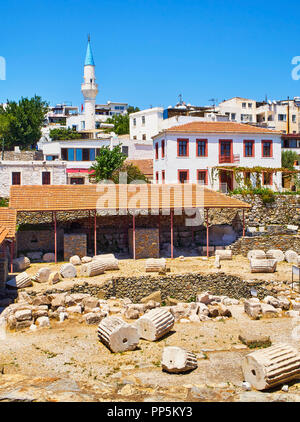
(49, 257)
(252, 307)
(131, 314)
(42, 276)
(155, 324)
(20, 325)
(217, 262)
(21, 264)
(263, 265)
(75, 309)
(266, 368)
(296, 304)
(75, 260)
(225, 254)
(204, 298)
(23, 315)
(117, 335)
(68, 271)
(43, 321)
(269, 310)
(94, 318)
(39, 313)
(58, 300)
(54, 277)
(110, 264)
(156, 296)
(291, 257)
(203, 309)
(178, 360)
(272, 301)
(40, 300)
(86, 259)
(89, 303)
(253, 340)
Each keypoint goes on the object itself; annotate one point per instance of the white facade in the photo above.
(240, 110)
(145, 124)
(172, 164)
(30, 173)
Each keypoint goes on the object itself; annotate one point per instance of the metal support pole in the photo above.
(172, 235)
(11, 256)
(133, 235)
(243, 223)
(159, 228)
(90, 230)
(207, 235)
(95, 233)
(55, 237)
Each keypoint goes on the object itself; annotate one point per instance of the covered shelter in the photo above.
(120, 200)
(8, 223)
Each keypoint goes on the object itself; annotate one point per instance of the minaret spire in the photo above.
(89, 88)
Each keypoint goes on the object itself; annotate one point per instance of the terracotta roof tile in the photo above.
(219, 127)
(3, 234)
(8, 220)
(146, 166)
(142, 196)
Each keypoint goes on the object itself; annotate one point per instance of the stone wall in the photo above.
(3, 273)
(182, 287)
(75, 244)
(23, 156)
(146, 243)
(39, 240)
(265, 242)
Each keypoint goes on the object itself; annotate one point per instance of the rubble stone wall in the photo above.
(146, 243)
(39, 240)
(3, 273)
(75, 244)
(265, 242)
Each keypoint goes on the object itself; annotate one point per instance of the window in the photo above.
(267, 178)
(125, 150)
(70, 154)
(202, 177)
(134, 138)
(77, 181)
(249, 149)
(246, 117)
(233, 116)
(243, 105)
(267, 148)
(294, 117)
(201, 145)
(64, 154)
(282, 117)
(183, 176)
(85, 154)
(78, 154)
(46, 177)
(92, 154)
(163, 148)
(182, 147)
(134, 122)
(143, 120)
(16, 178)
(157, 177)
(250, 105)
(247, 178)
(156, 151)
(144, 137)
(163, 176)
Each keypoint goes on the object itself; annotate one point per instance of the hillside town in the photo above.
(149, 255)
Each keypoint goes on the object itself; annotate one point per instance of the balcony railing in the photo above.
(229, 158)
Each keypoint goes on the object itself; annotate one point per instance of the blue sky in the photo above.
(148, 52)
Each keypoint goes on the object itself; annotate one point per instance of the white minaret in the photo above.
(89, 89)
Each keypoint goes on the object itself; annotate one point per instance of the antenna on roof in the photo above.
(89, 37)
(214, 101)
(180, 98)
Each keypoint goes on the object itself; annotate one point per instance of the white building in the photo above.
(79, 155)
(145, 124)
(189, 152)
(31, 173)
(240, 110)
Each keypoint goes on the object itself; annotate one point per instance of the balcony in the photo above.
(229, 159)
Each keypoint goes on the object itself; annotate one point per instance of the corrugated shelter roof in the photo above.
(8, 220)
(111, 196)
(219, 127)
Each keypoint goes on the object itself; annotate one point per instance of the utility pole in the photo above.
(2, 156)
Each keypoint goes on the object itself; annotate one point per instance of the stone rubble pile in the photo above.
(271, 306)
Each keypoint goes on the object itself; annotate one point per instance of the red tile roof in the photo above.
(111, 196)
(219, 127)
(146, 166)
(8, 220)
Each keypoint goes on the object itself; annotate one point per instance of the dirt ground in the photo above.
(239, 266)
(67, 363)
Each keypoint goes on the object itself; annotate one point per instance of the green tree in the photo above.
(107, 161)
(64, 134)
(133, 174)
(288, 159)
(26, 119)
(121, 121)
(5, 121)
